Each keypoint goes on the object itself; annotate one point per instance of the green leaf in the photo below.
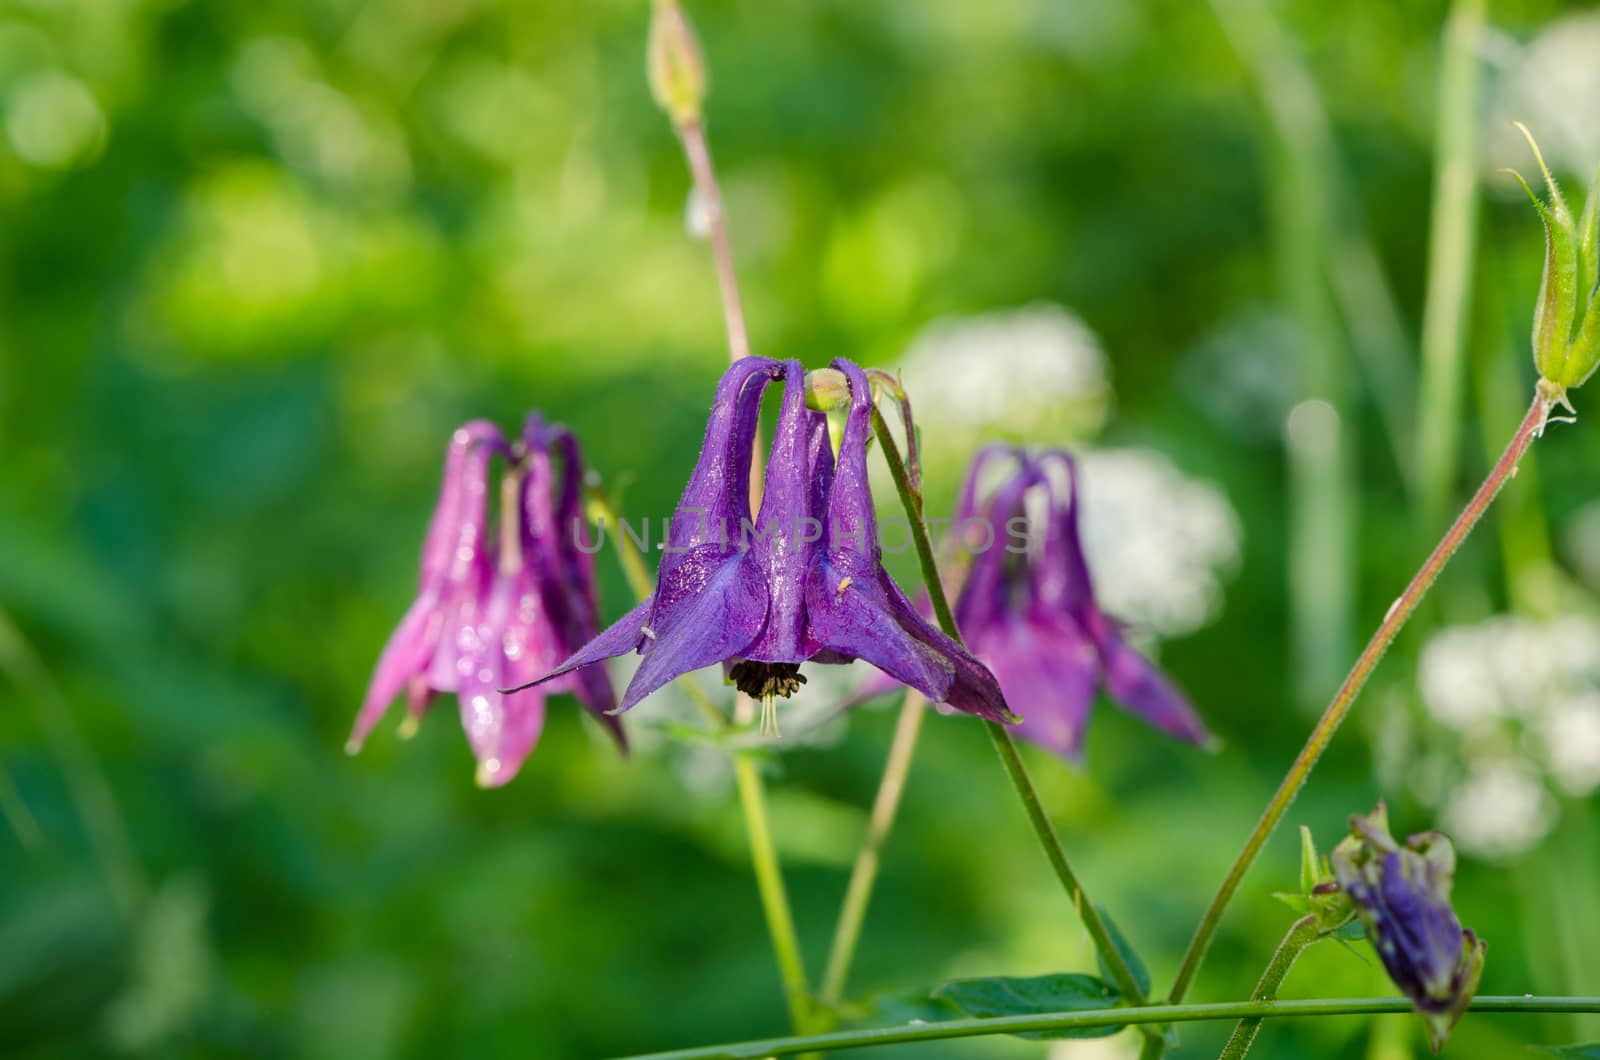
(1591, 1051)
(1352, 931)
(1141, 974)
(1309, 876)
(888, 1008)
(1006, 996)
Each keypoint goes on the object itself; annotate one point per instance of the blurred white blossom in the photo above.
(1160, 544)
(1499, 811)
(1507, 667)
(1034, 373)
(1571, 736)
(1520, 701)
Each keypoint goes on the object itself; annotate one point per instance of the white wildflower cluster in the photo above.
(1160, 543)
(1036, 373)
(1522, 699)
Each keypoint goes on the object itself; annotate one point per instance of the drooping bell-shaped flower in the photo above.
(1402, 895)
(1027, 609)
(495, 608)
(803, 581)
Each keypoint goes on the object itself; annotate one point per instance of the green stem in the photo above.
(1115, 964)
(1452, 236)
(858, 892)
(692, 134)
(90, 790)
(774, 897)
(1301, 935)
(1079, 1020)
(1530, 428)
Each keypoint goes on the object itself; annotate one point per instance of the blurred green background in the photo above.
(258, 259)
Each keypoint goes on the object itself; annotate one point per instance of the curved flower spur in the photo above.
(1027, 609)
(804, 582)
(495, 611)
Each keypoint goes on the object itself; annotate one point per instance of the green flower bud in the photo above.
(827, 390)
(1566, 322)
(1320, 893)
(676, 72)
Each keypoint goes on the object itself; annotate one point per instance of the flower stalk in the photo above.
(1504, 469)
(1116, 965)
(1302, 933)
(885, 805)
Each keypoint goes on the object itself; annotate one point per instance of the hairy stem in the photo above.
(858, 892)
(1116, 965)
(1078, 1019)
(1301, 935)
(1530, 428)
(692, 134)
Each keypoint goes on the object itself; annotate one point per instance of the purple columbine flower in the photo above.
(496, 610)
(803, 581)
(1402, 895)
(1027, 609)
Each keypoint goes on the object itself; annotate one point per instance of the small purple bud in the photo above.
(1402, 895)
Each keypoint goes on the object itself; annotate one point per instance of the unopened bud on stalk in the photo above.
(1566, 320)
(1402, 894)
(676, 72)
(827, 390)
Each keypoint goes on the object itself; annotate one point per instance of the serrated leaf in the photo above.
(1008, 996)
(1141, 974)
(1590, 1051)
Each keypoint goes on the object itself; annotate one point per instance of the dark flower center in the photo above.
(762, 680)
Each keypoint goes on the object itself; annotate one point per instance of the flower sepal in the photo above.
(1566, 319)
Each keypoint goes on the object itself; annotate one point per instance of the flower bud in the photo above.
(676, 72)
(827, 390)
(1402, 895)
(1566, 320)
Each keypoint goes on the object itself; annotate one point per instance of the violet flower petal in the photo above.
(787, 535)
(857, 610)
(501, 728)
(707, 627)
(416, 641)
(1047, 670)
(1139, 686)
